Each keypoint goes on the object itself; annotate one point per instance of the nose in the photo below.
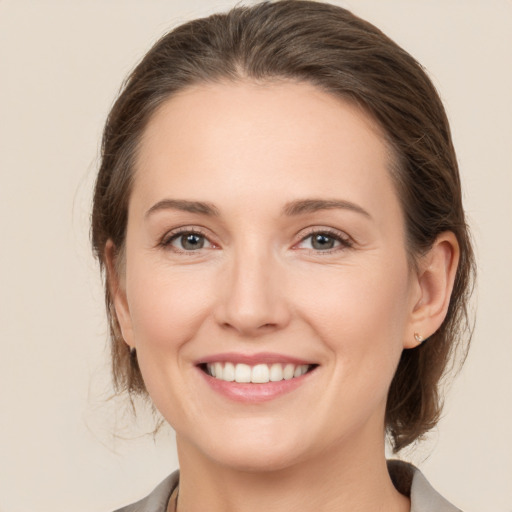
(252, 297)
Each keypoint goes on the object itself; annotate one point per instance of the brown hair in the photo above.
(347, 57)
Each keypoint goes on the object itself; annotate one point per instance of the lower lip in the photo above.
(254, 393)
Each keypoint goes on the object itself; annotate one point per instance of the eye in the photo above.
(187, 241)
(324, 241)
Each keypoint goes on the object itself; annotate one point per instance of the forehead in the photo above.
(232, 139)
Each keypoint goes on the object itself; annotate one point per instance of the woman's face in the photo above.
(265, 239)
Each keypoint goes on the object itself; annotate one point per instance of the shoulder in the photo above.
(410, 481)
(157, 500)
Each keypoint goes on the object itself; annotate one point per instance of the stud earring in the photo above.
(418, 337)
(133, 353)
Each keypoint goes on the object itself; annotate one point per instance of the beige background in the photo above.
(61, 63)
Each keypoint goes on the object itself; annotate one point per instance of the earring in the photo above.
(133, 353)
(418, 338)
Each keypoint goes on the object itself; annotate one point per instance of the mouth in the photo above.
(255, 378)
(260, 373)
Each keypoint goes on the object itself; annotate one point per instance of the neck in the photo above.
(353, 479)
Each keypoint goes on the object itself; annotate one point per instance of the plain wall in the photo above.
(63, 444)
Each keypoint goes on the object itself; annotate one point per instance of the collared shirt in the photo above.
(407, 479)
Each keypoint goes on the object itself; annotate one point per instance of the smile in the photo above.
(256, 374)
(254, 378)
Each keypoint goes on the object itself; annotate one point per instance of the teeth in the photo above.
(276, 372)
(258, 374)
(228, 373)
(288, 371)
(242, 373)
(300, 370)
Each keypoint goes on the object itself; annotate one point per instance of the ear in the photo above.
(117, 289)
(435, 278)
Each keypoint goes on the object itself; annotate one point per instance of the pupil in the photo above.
(323, 242)
(192, 241)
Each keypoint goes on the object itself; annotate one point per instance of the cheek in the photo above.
(360, 314)
(366, 298)
(166, 307)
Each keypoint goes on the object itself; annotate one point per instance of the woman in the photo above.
(278, 212)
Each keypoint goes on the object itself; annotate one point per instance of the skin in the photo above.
(259, 285)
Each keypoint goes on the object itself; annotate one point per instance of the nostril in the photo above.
(247, 328)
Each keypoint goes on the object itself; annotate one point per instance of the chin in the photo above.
(255, 459)
(251, 449)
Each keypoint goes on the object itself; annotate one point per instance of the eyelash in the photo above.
(169, 238)
(344, 241)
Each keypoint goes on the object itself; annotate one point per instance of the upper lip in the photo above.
(252, 359)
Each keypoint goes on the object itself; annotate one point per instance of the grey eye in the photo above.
(188, 242)
(322, 242)
(191, 241)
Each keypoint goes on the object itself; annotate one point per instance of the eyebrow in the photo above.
(313, 205)
(293, 208)
(185, 206)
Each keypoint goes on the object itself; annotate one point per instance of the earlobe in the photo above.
(435, 278)
(118, 292)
